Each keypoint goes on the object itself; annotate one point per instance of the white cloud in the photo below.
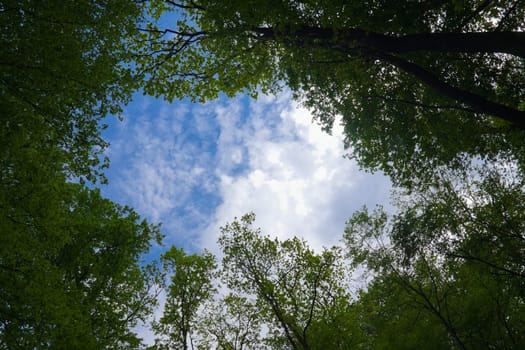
(296, 181)
(196, 167)
(162, 163)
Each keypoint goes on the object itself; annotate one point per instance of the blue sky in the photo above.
(195, 167)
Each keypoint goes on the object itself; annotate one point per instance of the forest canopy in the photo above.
(432, 94)
(419, 84)
(429, 92)
(419, 288)
(72, 274)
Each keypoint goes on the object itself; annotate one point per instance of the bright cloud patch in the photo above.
(196, 167)
(296, 179)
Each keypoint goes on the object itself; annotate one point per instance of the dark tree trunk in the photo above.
(476, 102)
(512, 43)
(385, 47)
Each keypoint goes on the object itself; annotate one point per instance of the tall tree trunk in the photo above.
(512, 43)
(384, 48)
(475, 101)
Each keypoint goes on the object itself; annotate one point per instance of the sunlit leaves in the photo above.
(69, 268)
(394, 120)
(64, 67)
(191, 285)
(299, 291)
(69, 259)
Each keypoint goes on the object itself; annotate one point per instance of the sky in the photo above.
(195, 167)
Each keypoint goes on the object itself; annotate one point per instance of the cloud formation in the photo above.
(196, 167)
(295, 177)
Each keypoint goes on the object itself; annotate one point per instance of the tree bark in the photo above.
(476, 102)
(512, 43)
(385, 47)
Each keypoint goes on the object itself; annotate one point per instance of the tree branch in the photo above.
(429, 305)
(422, 105)
(512, 43)
(475, 101)
(481, 7)
(192, 6)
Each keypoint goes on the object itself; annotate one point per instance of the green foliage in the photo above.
(412, 101)
(63, 68)
(191, 285)
(231, 323)
(278, 295)
(448, 268)
(445, 272)
(69, 268)
(300, 294)
(71, 274)
(394, 318)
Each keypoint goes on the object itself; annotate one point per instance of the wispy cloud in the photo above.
(163, 160)
(295, 177)
(196, 167)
